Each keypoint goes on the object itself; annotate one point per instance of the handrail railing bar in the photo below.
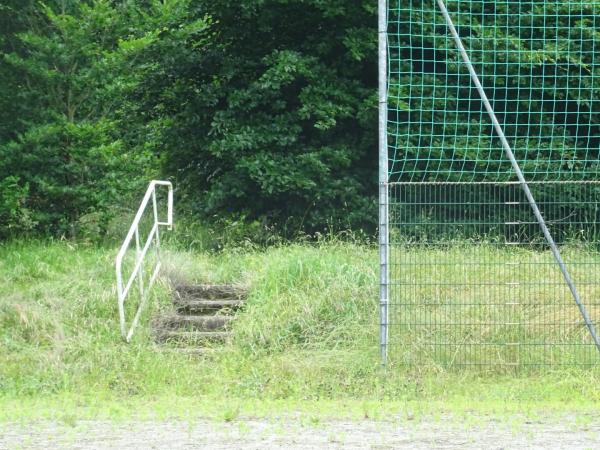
(138, 313)
(139, 261)
(144, 298)
(140, 213)
(141, 252)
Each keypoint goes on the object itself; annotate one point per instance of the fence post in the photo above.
(383, 184)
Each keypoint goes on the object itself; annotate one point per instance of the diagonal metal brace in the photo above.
(520, 176)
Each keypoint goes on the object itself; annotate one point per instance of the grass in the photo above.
(463, 295)
(306, 341)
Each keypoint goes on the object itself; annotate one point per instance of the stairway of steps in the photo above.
(200, 319)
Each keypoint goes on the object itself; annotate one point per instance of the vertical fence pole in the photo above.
(383, 183)
(520, 176)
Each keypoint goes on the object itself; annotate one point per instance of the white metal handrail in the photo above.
(141, 250)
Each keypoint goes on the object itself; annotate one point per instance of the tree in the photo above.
(276, 120)
(76, 67)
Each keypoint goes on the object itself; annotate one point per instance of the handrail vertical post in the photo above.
(170, 207)
(139, 261)
(120, 299)
(155, 210)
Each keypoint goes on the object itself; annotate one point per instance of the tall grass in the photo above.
(309, 330)
(461, 304)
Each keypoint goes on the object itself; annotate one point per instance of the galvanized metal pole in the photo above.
(384, 255)
(520, 176)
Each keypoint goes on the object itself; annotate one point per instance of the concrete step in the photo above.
(189, 351)
(193, 323)
(210, 292)
(204, 306)
(192, 337)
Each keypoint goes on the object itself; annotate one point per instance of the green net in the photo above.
(537, 61)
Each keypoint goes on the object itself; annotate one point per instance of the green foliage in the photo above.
(309, 331)
(276, 120)
(264, 111)
(15, 217)
(538, 64)
(77, 64)
(15, 17)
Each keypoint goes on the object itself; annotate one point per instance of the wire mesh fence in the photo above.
(473, 281)
(538, 64)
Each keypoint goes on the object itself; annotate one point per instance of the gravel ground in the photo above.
(289, 433)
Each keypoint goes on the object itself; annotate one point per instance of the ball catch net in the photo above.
(491, 203)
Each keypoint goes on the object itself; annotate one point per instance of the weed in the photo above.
(230, 414)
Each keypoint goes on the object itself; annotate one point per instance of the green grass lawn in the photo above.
(307, 340)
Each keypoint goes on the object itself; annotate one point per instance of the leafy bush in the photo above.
(13, 214)
(77, 62)
(276, 120)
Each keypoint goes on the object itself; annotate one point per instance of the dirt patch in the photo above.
(570, 432)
